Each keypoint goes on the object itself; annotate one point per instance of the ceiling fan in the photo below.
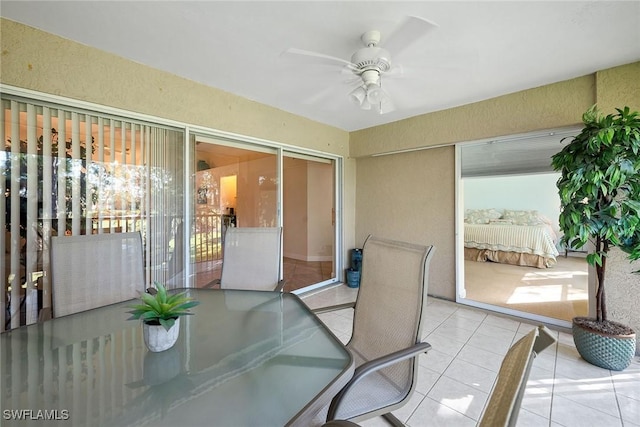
(371, 65)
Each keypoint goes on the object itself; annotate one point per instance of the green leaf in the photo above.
(162, 292)
(149, 315)
(187, 305)
(633, 205)
(594, 259)
(151, 301)
(575, 217)
(608, 138)
(167, 323)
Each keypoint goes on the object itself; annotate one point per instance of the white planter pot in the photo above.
(157, 338)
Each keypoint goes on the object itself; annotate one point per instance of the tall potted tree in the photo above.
(600, 202)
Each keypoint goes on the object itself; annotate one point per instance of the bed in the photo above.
(523, 238)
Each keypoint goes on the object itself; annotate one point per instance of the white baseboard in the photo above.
(301, 257)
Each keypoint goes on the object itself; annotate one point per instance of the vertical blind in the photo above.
(72, 172)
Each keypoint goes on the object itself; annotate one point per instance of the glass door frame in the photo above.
(461, 296)
(210, 136)
(336, 163)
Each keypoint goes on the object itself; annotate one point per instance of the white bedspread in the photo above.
(529, 239)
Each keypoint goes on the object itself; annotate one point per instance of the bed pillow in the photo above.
(523, 217)
(500, 221)
(481, 216)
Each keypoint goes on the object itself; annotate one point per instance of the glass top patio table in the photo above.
(245, 358)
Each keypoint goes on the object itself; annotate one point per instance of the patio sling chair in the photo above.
(503, 405)
(94, 270)
(504, 402)
(387, 327)
(251, 259)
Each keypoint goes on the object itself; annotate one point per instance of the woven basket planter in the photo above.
(613, 352)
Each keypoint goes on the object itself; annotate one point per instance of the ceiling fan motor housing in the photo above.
(371, 58)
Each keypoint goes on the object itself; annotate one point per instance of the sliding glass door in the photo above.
(239, 184)
(236, 185)
(309, 220)
(70, 172)
(510, 258)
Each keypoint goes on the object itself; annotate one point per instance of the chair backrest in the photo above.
(388, 317)
(251, 258)
(94, 270)
(504, 403)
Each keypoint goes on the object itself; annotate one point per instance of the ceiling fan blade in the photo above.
(387, 107)
(409, 32)
(326, 97)
(404, 95)
(316, 58)
(396, 71)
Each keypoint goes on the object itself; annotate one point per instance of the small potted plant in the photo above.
(160, 313)
(600, 198)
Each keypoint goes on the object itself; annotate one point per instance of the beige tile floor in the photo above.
(457, 375)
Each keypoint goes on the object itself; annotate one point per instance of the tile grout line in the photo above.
(466, 342)
(553, 383)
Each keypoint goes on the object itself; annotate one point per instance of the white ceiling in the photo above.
(480, 49)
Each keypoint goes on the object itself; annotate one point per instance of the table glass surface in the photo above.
(245, 358)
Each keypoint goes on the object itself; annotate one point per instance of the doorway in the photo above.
(249, 185)
(308, 220)
(235, 186)
(509, 257)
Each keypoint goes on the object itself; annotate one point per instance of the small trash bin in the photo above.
(353, 278)
(356, 259)
(353, 273)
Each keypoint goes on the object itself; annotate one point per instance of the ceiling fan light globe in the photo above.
(358, 95)
(375, 94)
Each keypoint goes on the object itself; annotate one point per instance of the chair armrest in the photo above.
(544, 339)
(330, 308)
(375, 365)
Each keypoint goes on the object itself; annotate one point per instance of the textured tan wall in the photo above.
(410, 197)
(622, 289)
(619, 87)
(546, 107)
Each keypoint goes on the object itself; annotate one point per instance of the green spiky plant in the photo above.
(600, 195)
(161, 308)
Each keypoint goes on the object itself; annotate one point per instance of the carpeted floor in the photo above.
(559, 292)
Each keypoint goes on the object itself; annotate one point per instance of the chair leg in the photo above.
(395, 422)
